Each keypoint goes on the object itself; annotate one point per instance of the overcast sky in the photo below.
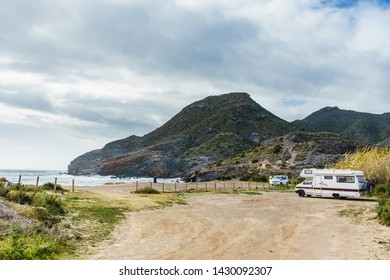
(76, 74)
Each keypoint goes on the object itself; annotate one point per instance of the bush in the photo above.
(50, 202)
(3, 192)
(147, 190)
(277, 149)
(50, 187)
(254, 178)
(18, 187)
(383, 211)
(382, 191)
(53, 204)
(20, 197)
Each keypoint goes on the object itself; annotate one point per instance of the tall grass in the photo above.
(373, 161)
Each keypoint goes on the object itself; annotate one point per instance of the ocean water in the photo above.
(29, 177)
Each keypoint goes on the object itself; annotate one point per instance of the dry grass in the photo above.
(373, 161)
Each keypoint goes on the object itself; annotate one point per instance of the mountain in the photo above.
(206, 131)
(364, 127)
(232, 135)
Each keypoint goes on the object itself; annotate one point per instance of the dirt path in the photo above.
(268, 226)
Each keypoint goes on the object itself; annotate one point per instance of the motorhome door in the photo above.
(318, 186)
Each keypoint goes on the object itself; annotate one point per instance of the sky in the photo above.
(77, 74)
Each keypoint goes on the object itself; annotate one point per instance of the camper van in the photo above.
(335, 183)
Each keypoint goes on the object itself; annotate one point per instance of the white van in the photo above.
(335, 183)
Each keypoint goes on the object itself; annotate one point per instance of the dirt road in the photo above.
(273, 225)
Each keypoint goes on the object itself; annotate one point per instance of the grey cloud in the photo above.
(124, 117)
(27, 100)
(148, 37)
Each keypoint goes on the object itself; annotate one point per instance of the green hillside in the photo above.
(364, 127)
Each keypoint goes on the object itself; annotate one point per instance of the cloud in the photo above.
(108, 69)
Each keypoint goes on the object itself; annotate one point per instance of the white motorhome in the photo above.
(335, 183)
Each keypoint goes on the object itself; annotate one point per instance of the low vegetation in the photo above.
(29, 228)
(43, 223)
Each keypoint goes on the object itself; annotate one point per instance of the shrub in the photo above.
(254, 178)
(18, 187)
(277, 149)
(3, 192)
(50, 187)
(147, 190)
(52, 203)
(20, 197)
(382, 191)
(383, 211)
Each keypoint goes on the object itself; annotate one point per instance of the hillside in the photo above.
(203, 132)
(289, 153)
(364, 127)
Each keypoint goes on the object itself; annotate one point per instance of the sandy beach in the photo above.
(272, 225)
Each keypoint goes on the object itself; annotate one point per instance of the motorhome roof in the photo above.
(314, 171)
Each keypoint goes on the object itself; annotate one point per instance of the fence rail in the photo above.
(172, 187)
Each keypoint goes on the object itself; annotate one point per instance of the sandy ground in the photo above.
(272, 226)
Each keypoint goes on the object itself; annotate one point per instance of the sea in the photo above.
(29, 177)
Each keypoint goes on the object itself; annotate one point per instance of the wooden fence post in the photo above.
(37, 183)
(55, 183)
(72, 185)
(163, 185)
(20, 179)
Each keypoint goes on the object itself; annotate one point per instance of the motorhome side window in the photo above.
(346, 179)
(328, 177)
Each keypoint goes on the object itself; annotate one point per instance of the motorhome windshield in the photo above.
(360, 179)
